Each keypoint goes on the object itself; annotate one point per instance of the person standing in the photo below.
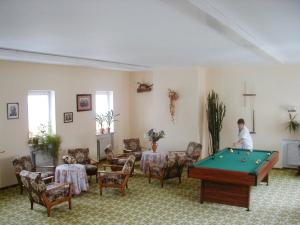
(244, 138)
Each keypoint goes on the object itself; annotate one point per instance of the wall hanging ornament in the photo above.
(173, 96)
(144, 87)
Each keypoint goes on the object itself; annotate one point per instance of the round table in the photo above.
(74, 174)
(150, 156)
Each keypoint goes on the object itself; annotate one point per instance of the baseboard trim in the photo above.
(10, 186)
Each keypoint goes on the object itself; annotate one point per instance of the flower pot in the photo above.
(154, 147)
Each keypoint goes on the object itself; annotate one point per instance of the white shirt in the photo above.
(244, 134)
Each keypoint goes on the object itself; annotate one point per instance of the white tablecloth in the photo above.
(73, 174)
(149, 156)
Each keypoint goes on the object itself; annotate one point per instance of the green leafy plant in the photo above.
(215, 114)
(46, 142)
(293, 124)
(110, 117)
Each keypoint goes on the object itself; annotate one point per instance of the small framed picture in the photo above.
(12, 111)
(84, 102)
(68, 117)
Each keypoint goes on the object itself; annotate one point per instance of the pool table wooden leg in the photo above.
(266, 179)
(201, 192)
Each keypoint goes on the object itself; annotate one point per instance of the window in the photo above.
(41, 112)
(104, 103)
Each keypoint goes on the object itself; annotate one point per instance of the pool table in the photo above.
(227, 176)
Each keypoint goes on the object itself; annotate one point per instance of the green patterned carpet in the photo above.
(278, 203)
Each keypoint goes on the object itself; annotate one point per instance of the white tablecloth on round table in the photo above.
(74, 174)
(150, 156)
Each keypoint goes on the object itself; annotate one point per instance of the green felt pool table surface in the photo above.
(239, 160)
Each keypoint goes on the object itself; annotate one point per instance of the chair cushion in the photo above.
(57, 193)
(91, 169)
(111, 178)
(23, 163)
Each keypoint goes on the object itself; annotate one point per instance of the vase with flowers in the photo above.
(154, 137)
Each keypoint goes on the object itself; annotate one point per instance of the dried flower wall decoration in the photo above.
(173, 96)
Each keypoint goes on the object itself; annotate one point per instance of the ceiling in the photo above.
(142, 34)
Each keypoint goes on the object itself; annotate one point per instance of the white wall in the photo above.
(276, 88)
(151, 109)
(17, 78)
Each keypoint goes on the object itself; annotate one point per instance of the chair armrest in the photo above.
(178, 151)
(127, 150)
(93, 161)
(48, 178)
(107, 165)
(54, 186)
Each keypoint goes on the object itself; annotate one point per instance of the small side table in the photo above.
(150, 156)
(73, 174)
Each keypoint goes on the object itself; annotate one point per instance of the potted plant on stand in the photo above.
(215, 114)
(293, 125)
(154, 137)
(46, 146)
(110, 117)
(100, 118)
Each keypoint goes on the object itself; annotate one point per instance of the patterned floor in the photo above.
(278, 203)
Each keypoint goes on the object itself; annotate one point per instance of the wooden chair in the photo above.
(82, 156)
(45, 195)
(133, 146)
(116, 179)
(25, 163)
(171, 168)
(192, 154)
(115, 159)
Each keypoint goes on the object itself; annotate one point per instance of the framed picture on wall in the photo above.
(12, 111)
(68, 117)
(84, 102)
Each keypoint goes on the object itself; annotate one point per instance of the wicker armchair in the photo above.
(25, 163)
(116, 179)
(133, 146)
(42, 194)
(171, 168)
(81, 155)
(192, 154)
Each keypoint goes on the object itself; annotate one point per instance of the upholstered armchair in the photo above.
(25, 163)
(171, 168)
(116, 179)
(192, 154)
(42, 194)
(133, 146)
(115, 159)
(81, 155)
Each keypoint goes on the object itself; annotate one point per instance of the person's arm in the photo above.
(239, 142)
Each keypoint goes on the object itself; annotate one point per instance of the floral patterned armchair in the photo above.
(132, 146)
(192, 154)
(171, 168)
(25, 163)
(81, 155)
(115, 159)
(116, 179)
(42, 194)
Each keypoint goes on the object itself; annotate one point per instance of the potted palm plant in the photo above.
(215, 114)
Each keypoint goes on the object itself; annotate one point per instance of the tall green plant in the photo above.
(293, 125)
(215, 113)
